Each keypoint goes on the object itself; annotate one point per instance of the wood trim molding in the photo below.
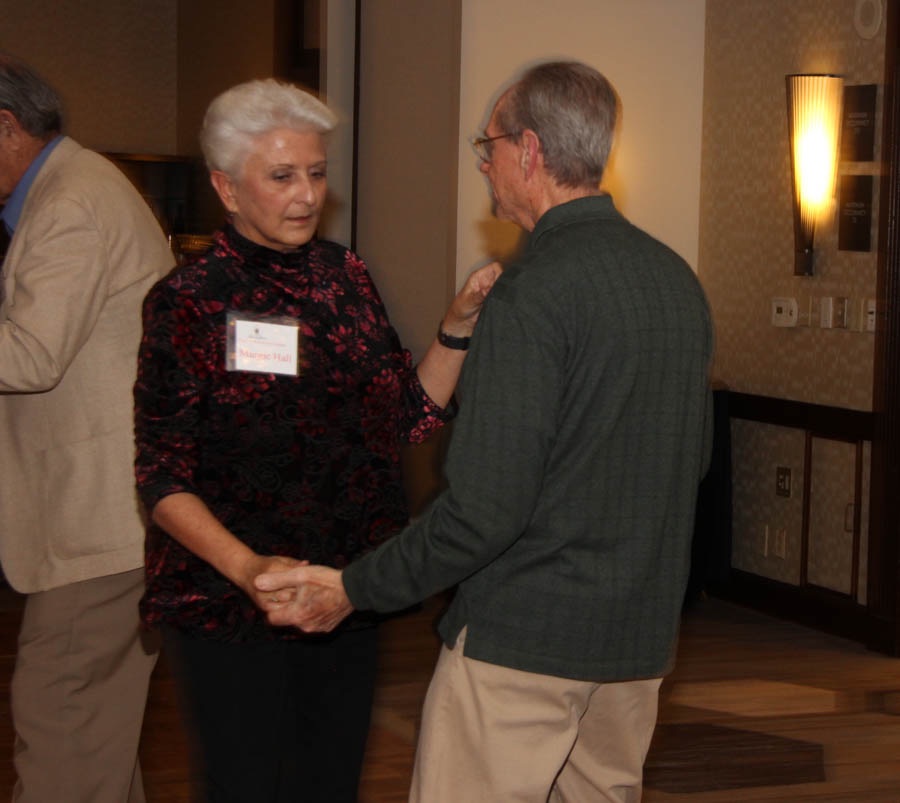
(812, 606)
(821, 420)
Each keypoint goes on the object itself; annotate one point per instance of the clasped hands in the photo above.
(311, 598)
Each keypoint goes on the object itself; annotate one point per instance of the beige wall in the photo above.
(337, 90)
(113, 63)
(652, 52)
(136, 76)
(406, 194)
(408, 143)
(219, 44)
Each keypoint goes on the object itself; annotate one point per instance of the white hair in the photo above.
(572, 108)
(240, 114)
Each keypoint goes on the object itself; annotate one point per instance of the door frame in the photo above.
(884, 529)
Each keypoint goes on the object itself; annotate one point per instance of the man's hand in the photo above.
(311, 598)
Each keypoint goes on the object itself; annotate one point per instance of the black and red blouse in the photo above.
(305, 466)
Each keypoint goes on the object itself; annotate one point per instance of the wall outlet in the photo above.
(826, 312)
(857, 315)
(782, 481)
(814, 311)
(780, 547)
(840, 313)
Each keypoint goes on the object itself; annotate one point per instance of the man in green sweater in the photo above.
(584, 430)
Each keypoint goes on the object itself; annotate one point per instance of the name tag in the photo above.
(263, 345)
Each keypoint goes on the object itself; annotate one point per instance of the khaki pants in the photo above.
(491, 734)
(78, 693)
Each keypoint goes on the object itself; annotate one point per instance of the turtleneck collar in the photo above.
(258, 257)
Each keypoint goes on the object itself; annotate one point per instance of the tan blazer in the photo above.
(84, 255)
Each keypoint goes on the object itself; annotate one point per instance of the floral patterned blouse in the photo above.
(305, 465)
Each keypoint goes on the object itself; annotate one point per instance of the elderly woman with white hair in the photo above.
(272, 400)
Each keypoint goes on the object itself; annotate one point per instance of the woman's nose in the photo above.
(304, 190)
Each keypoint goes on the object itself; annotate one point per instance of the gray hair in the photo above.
(572, 108)
(30, 99)
(240, 114)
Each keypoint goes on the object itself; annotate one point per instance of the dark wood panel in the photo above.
(811, 606)
(828, 422)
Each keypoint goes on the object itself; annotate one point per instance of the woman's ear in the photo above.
(225, 189)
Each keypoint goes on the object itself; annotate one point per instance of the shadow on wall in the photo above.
(500, 239)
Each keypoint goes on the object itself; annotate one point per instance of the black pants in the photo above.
(277, 722)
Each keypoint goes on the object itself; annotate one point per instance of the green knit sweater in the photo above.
(584, 430)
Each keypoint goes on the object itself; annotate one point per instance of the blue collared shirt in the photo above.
(12, 211)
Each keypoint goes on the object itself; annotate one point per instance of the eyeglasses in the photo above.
(483, 145)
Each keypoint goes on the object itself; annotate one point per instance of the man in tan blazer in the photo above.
(85, 249)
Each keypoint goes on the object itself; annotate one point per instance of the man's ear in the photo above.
(531, 150)
(225, 189)
(9, 124)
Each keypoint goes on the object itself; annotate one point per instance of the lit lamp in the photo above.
(814, 126)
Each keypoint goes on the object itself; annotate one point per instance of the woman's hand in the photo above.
(439, 369)
(460, 318)
(262, 564)
(189, 521)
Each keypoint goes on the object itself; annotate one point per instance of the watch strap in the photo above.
(451, 341)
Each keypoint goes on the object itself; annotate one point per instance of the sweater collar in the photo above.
(258, 258)
(591, 206)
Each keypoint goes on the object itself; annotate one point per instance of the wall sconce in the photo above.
(814, 127)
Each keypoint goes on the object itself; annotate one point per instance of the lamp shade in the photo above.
(814, 126)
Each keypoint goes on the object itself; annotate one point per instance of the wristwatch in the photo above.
(451, 341)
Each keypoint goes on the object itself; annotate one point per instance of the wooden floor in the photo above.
(757, 709)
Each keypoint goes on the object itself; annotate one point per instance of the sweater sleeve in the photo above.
(167, 401)
(419, 416)
(495, 464)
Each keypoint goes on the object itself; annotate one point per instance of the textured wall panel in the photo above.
(746, 259)
(113, 62)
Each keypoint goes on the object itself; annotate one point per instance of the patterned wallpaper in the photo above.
(756, 451)
(759, 513)
(113, 62)
(746, 224)
(831, 516)
(746, 260)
